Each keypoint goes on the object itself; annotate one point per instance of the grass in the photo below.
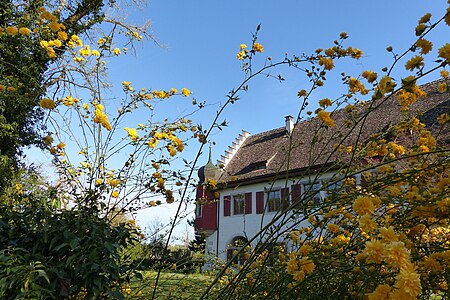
(170, 286)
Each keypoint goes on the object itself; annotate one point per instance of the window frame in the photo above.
(241, 198)
(273, 204)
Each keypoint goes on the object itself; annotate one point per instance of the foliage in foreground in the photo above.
(46, 252)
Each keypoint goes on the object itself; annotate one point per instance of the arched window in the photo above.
(233, 249)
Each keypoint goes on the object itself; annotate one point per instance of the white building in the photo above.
(290, 168)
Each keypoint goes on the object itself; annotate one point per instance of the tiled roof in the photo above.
(273, 152)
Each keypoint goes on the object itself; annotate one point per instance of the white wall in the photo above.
(248, 225)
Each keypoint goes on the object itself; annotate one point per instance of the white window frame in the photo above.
(241, 197)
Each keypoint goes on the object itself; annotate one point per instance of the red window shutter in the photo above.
(296, 196)
(248, 203)
(285, 198)
(259, 202)
(226, 206)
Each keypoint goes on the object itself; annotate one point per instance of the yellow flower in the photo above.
(257, 47)
(98, 181)
(327, 62)
(420, 29)
(374, 251)
(408, 283)
(442, 87)
(61, 145)
(116, 51)
(425, 18)
(444, 52)
(101, 118)
(388, 234)
(69, 101)
(354, 52)
(95, 52)
(307, 265)
(371, 76)
(12, 30)
(333, 228)
(242, 46)
(10, 89)
(349, 108)
(363, 205)
(115, 194)
(24, 31)
(367, 224)
(425, 46)
(78, 59)
(171, 150)
(51, 52)
(325, 102)
(62, 35)
(47, 103)
(415, 62)
(386, 85)
(152, 143)
(114, 182)
(132, 133)
(86, 51)
(305, 250)
(381, 293)
(397, 255)
(325, 118)
(169, 197)
(19, 190)
(185, 92)
(354, 85)
(444, 118)
(444, 73)
(301, 93)
(241, 55)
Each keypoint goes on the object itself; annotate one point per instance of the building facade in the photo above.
(245, 197)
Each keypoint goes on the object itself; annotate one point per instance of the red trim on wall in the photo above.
(227, 206)
(259, 202)
(248, 203)
(296, 195)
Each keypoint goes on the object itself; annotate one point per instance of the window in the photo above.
(233, 251)
(238, 204)
(273, 200)
(313, 193)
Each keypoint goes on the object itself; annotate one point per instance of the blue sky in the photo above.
(201, 38)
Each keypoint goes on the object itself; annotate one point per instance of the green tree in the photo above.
(28, 70)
